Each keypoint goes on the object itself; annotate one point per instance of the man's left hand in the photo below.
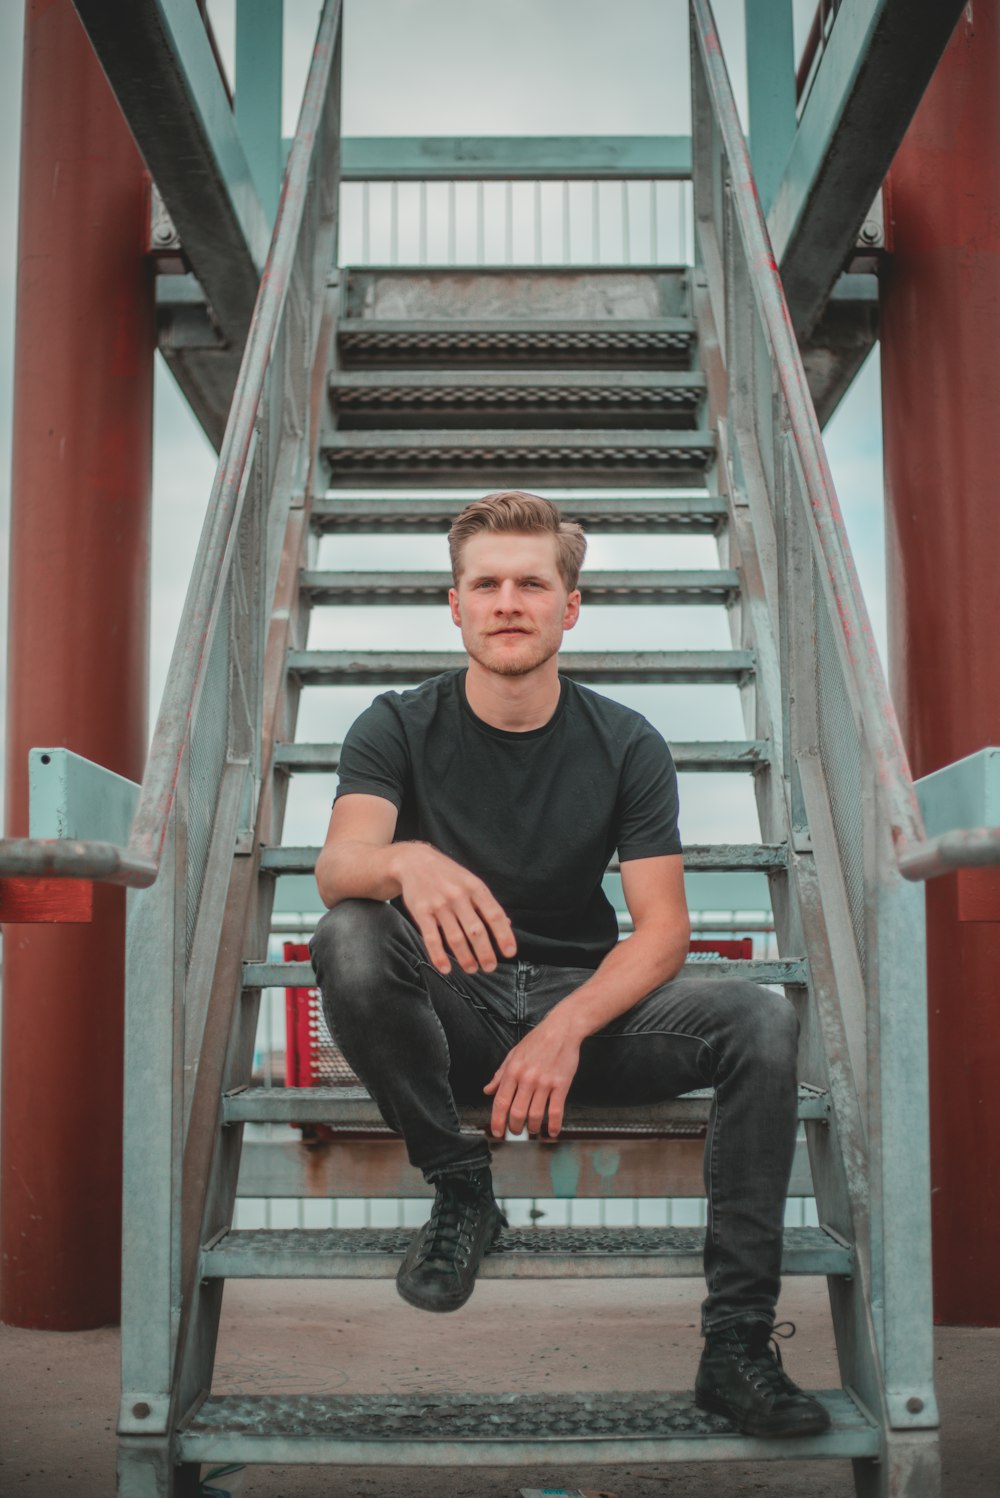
(534, 1077)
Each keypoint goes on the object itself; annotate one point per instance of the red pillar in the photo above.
(78, 650)
(941, 407)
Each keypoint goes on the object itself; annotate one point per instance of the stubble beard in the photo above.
(517, 667)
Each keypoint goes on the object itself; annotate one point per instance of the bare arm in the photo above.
(537, 1074)
(360, 861)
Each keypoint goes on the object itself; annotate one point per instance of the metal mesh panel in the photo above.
(206, 761)
(840, 750)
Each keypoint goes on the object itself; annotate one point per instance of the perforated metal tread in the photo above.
(521, 1253)
(642, 515)
(450, 397)
(779, 971)
(708, 586)
(352, 1107)
(669, 667)
(702, 858)
(640, 341)
(496, 1430)
(545, 455)
(706, 756)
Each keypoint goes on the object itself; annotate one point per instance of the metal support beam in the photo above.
(69, 796)
(259, 49)
(159, 61)
(429, 158)
(876, 66)
(771, 90)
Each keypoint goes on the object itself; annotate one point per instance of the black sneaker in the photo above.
(741, 1376)
(439, 1270)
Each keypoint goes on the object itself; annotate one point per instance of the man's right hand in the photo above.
(452, 908)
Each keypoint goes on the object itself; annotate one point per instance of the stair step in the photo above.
(543, 456)
(656, 341)
(706, 756)
(496, 1429)
(675, 514)
(714, 858)
(710, 586)
(778, 970)
(450, 397)
(331, 668)
(521, 1253)
(354, 1108)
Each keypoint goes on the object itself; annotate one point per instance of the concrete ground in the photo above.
(58, 1391)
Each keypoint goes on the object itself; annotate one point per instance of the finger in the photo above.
(536, 1111)
(476, 933)
(557, 1111)
(432, 941)
(501, 1108)
(455, 937)
(517, 1114)
(498, 921)
(494, 1081)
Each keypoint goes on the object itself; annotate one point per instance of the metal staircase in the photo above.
(373, 381)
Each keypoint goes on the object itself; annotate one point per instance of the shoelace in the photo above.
(765, 1372)
(447, 1231)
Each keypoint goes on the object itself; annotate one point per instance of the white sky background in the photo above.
(534, 67)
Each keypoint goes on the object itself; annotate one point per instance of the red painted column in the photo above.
(78, 652)
(941, 408)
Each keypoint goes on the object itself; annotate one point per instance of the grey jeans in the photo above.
(422, 1042)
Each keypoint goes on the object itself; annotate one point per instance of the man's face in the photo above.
(511, 603)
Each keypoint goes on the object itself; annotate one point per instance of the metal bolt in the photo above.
(914, 1405)
(141, 1410)
(870, 232)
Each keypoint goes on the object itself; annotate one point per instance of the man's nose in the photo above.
(507, 600)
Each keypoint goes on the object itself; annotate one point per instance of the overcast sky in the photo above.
(535, 67)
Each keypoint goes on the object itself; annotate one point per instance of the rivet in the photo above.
(141, 1410)
(914, 1405)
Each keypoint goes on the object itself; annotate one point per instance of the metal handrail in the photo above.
(137, 863)
(918, 857)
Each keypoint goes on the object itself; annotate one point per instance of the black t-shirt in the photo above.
(536, 815)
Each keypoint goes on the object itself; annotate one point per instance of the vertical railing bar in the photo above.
(538, 223)
(654, 248)
(366, 222)
(682, 256)
(509, 222)
(394, 223)
(595, 214)
(452, 247)
(626, 226)
(422, 251)
(480, 222)
(565, 221)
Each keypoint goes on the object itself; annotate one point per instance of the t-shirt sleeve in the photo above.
(374, 758)
(647, 803)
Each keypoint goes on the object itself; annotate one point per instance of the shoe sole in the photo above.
(715, 1406)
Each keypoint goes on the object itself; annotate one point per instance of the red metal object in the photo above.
(46, 901)
(940, 330)
(79, 607)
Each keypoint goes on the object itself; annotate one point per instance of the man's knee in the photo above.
(764, 1024)
(350, 945)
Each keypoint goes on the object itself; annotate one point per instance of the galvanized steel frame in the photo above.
(862, 930)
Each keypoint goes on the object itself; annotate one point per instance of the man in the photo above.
(485, 805)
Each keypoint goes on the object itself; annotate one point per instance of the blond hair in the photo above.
(513, 510)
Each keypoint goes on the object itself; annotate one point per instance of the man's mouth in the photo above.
(513, 630)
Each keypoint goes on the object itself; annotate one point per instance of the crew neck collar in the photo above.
(514, 734)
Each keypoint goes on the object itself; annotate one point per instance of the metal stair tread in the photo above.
(690, 667)
(658, 339)
(708, 585)
(703, 857)
(534, 1252)
(636, 515)
(353, 1107)
(778, 970)
(437, 380)
(706, 755)
(496, 1429)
